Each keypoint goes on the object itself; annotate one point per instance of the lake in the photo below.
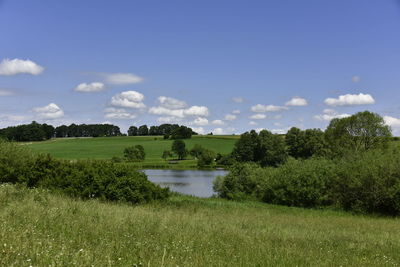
(198, 183)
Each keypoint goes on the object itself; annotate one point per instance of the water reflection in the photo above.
(190, 182)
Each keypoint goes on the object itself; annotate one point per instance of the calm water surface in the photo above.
(190, 182)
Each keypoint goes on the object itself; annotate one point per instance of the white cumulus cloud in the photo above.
(199, 130)
(171, 103)
(392, 121)
(230, 117)
(253, 123)
(128, 99)
(17, 66)
(350, 100)
(218, 131)
(90, 87)
(122, 78)
(236, 111)
(200, 121)
(118, 113)
(197, 111)
(330, 114)
(218, 122)
(169, 120)
(297, 101)
(267, 108)
(51, 111)
(258, 116)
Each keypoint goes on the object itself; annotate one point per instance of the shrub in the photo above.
(134, 153)
(243, 181)
(83, 179)
(206, 158)
(369, 182)
(302, 183)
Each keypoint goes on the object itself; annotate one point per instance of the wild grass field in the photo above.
(108, 147)
(38, 228)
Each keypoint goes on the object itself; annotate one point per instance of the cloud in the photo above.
(199, 130)
(5, 92)
(267, 108)
(253, 123)
(297, 101)
(218, 131)
(236, 111)
(118, 113)
(197, 111)
(238, 99)
(169, 120)
(172, 107)
(200, 121)
(356, 79)
(330, 114)
(128, 99)
(258, 116)
(122, 78)
(17, 66)
(51, 111)
(279, 131)
(230, 117)
(171, 103)
(350, 100)
(218, 122)
(90, 87)
(181, 113)
(392, 121)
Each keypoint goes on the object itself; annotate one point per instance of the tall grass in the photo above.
(38, 228)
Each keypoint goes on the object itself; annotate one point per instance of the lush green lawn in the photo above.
(107, 147)
(41, 229)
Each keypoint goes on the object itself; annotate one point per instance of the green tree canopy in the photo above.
(359, 132)
(179, 148)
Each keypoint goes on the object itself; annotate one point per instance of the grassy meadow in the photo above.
(108, 147)
(42, 229)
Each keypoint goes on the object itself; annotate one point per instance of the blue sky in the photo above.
(221, 66)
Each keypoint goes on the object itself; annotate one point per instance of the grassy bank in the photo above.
(42, 229)
(108, 147)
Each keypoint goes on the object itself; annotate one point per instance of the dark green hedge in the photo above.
(83, 179)
(365, 183)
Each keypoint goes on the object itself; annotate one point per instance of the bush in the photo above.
(83, 179)
(134, 153)
(301, 183)
(243, 181)
(367, 182)
(206, 158)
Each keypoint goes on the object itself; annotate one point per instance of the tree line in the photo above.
(39, 132)
(173, 131)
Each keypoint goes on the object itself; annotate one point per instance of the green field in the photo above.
(108, 147)
(38, 228)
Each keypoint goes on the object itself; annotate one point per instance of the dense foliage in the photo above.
(87, 130)
(348, 166)
(179, 148)
(366, 182)
(28, 132)
(83, 179)
(173, 131)
(135, 153)
(264, 148)
(360, 132)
